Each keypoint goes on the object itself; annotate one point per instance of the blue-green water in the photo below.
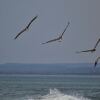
(49, 87)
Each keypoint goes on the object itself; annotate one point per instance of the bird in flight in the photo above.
(58, 38)
(96, 62)
(26, 28)
(91, 50)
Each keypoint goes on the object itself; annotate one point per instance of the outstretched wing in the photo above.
(31, 21)
(20, 33)
(51, 40)
(96, 62)
(85, 51)
(97, 43)
(65, 29)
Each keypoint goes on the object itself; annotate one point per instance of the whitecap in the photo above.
(57, 95)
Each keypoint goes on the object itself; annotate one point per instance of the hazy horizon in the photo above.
(49, 69)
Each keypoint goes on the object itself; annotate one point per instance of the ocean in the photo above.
(49, 87)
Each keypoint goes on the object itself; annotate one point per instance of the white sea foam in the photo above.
(55, 94)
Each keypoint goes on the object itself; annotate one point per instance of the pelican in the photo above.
(58, 38)
(26, 28)
(91, 50)
(96, 62)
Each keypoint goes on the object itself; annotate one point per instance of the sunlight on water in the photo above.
(55, 94)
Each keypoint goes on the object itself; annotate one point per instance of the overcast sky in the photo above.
(53, 16)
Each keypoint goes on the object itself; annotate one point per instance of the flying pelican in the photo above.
(26, 28)
(91, 50)
(96, 62)
(58, 38)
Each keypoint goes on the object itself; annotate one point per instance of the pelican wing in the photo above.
(97, 43)
(85, 51)
(51, 40)
(65, 29)
(20, 33)
(31, 21)
(96, 61)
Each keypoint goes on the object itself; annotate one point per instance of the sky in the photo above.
(53, 16)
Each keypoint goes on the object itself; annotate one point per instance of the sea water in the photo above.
(49, 87)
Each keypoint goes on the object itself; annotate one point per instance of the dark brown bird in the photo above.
(96, 62)
(60, 37)
(91, 50)
(26, 28)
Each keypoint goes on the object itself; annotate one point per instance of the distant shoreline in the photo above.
(50, 69)
(97, 74)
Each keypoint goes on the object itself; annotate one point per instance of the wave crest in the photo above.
(55, 94)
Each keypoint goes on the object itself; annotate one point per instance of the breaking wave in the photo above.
(55, 94)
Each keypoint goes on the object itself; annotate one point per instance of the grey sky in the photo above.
(53, 15)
